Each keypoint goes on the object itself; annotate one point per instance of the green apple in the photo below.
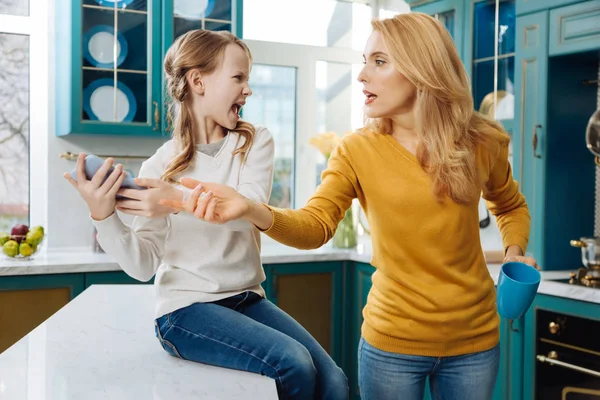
(11, 248)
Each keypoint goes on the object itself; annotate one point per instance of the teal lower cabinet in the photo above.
(27, 301)
(111, 278)
(312, 293)
(565, 330)
(361, 285)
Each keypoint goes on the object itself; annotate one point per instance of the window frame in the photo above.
(35, 26)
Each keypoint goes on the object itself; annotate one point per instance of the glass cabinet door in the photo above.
(482, 59)
(450, 13)
(181, 16)
(118, 77)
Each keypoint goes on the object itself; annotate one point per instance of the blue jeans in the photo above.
(386, 376)
(246, 332)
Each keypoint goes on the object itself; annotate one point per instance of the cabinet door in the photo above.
(362, 286)
(575, 28)
(451, 14)
(27, 301)
(108, 67)
(479, 59)
(529, 130)
(312, 294)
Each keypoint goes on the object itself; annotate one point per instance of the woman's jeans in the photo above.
(246, 332)
(386, 376)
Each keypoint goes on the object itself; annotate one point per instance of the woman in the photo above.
(210, 304)
(418, 168)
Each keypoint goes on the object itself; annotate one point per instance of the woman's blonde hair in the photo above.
(203, 50)
(448, 128)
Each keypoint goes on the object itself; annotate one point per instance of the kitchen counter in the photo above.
(102, 345)
(77, 260)
(61, 262)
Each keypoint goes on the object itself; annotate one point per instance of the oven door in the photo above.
(568, 357)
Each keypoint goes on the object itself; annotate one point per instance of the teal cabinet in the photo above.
(530, 113)
(96, 91)
(530, 6)
(312, 293)
(479, 55)
(550, 161)
(361, 286)
(575, 28)
(109, 78)
(451, 14)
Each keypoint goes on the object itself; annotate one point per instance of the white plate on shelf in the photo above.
(193, 9)
(112, 3)
(98, 47)
(98, 101)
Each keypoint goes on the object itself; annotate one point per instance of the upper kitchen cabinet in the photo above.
(108, 72)
(489, 72)
(109, 60)
(530, 6)
(555, 171)
(450, 13)
(575, 28)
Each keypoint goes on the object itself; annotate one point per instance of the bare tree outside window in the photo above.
(14, 128)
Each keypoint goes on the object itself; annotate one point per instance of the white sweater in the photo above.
(195, 261)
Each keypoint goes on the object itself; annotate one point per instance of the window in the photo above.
(14, 114)
(301, 85)
(328, 23)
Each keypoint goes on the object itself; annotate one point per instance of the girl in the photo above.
(210, 304)
(418, 168)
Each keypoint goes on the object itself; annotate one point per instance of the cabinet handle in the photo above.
(156, 115)
(553, 327)
(535, 141)
(552, 359)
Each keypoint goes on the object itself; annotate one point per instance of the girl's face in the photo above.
(388, 93)
(226, 89)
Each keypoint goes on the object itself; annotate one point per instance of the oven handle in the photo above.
(563, 364)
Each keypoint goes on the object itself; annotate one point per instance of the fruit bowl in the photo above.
(22, 243)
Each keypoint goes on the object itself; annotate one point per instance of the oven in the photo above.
(568, 357)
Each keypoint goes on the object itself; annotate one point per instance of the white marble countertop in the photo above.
(102, 346)
(60, 262)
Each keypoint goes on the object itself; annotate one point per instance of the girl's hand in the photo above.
(514, 253)
(211, 202)
(99, 196)
(146, 203)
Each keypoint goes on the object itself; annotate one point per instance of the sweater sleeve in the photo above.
(505, 202)
(138, 249)
(313, 225)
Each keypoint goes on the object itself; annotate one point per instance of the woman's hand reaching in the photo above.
(211, 202)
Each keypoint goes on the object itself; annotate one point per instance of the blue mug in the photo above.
(517, 285)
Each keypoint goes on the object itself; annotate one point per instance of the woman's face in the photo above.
(388, 93)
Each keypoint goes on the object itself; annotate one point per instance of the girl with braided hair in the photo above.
(210, 305)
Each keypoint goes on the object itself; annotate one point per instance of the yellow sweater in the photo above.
(432, 294)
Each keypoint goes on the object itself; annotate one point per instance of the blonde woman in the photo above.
(418, 168)
(210, 304)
